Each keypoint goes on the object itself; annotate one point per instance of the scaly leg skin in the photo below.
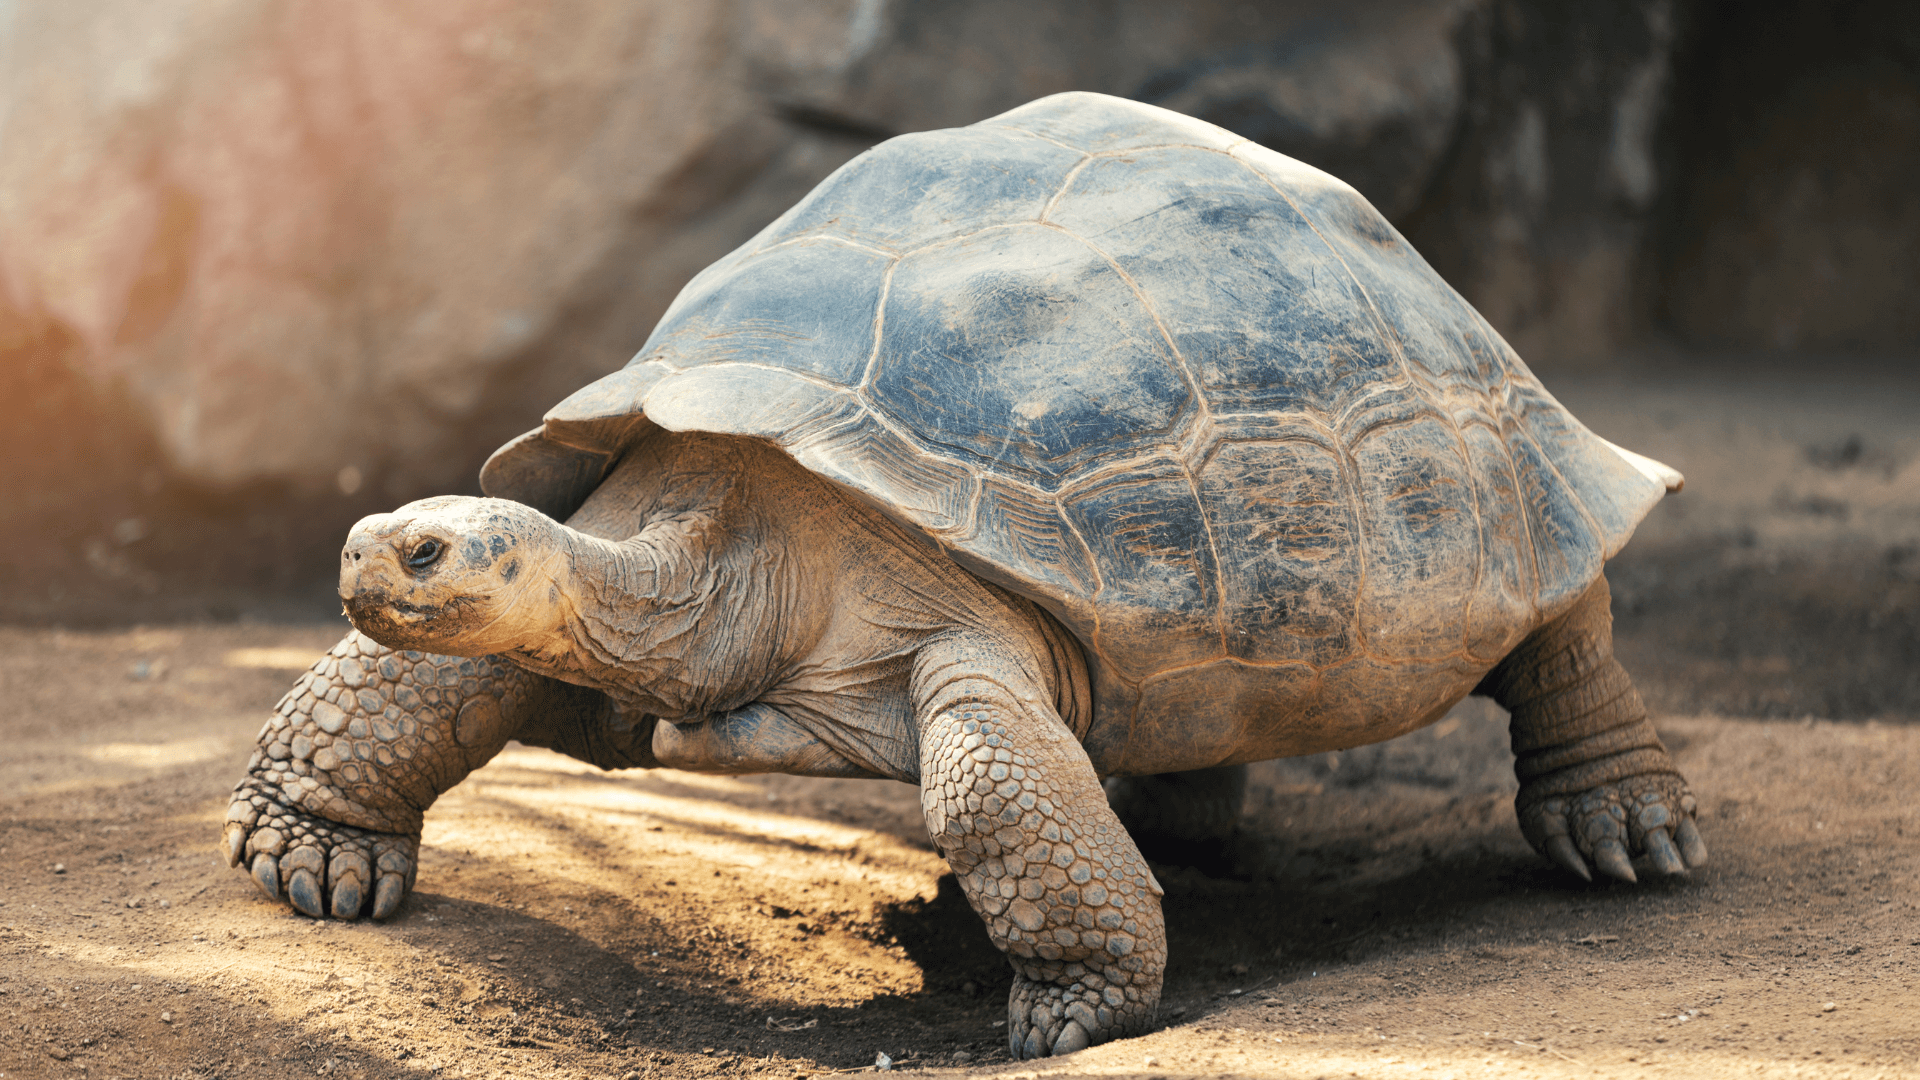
(1595, 782)
(328, 816)
(1013, 803)
(1184, 818)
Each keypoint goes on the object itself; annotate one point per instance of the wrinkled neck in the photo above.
(684, 619)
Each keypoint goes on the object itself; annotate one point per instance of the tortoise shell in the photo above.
(1197, 399)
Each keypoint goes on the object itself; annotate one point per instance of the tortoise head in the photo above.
(453, 575)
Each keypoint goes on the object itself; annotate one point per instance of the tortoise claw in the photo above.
(1660, 849)
(1650, 814)
(1561, 850)
(1072, 1037)
(1610, 857)
(387, 895)
(349, 872)
(266, 874)
(234, 843)
(321, 868)
(1692, 847)
(303, 891)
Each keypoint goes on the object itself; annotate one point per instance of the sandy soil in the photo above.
(1384, 918)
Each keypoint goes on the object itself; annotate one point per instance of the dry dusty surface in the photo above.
(1384, 918)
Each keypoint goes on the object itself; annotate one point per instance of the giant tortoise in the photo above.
(1089, 441)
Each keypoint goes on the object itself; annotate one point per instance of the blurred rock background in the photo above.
(268, 265)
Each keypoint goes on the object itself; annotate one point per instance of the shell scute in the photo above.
(1284, 509)
(928, 492)
(1256, 305)
(1021, 350)
(1585, 465)
(754, 400)
(1159, 585)
(1422, 538)
(808, 307)
(1567, 552)
(1502, 607)
(1043, 557)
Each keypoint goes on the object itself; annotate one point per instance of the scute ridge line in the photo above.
(1480, 534)
(806, 377)
(1099, 577)
(1553, 467)
(1362, 544)
(830, 238)
(1065, 183)
(879, 329)
(1139, 294)
(1526, 518)
(957, 237)
(1354, 404)
(1032, 133)
(1198, 441)
(1157, 146)
(1213, 549)
(1080, 481)
(1242, 662)
(1096, 643)
(1331, 444)
(1383, 425)
(1380, 323)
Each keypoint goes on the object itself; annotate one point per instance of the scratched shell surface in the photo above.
(1198, 399)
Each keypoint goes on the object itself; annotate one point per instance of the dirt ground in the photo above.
(1384, 917)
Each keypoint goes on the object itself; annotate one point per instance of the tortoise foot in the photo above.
(1046, 1018)
(1608, 825)
(317, 867)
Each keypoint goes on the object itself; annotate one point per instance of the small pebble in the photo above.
(59, 868)
(166, 1018)
(961, 1057)
(1829, 1007)
(166, 903)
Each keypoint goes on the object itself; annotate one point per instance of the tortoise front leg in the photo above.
(328, 816)
(1595, 781)
(1013, 802)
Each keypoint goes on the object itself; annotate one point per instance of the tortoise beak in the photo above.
(372, 582)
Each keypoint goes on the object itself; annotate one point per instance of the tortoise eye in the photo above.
(425, 555)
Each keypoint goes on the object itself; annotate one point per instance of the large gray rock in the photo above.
(1540, 212)
(307, 241)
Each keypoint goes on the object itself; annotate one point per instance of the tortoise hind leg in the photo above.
(1183, 818)
(1595, 782)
